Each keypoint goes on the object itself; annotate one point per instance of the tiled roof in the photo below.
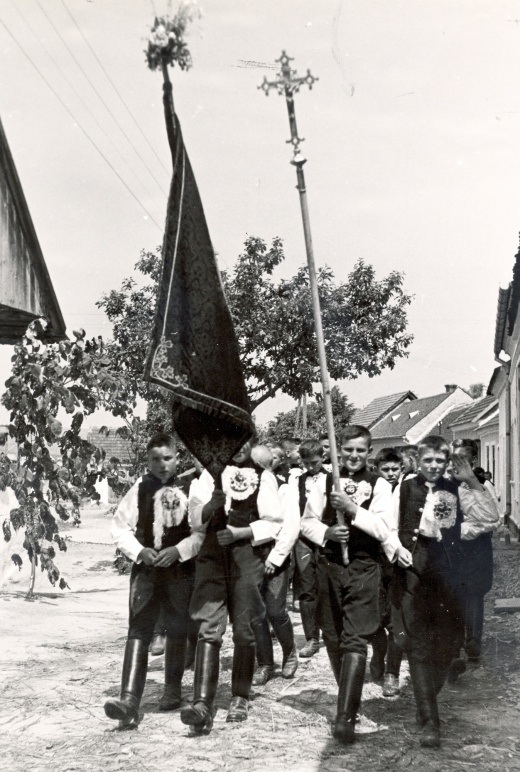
(379, 407)
(113, 445)
(471, 411)
(405, 416)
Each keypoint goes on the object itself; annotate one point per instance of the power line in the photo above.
(80, 98)
(100, 97)
(65, 107)
(100, 63)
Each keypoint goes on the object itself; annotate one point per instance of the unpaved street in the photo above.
(61, 657)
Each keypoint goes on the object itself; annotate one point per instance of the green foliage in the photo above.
(75, 377)
(289, 424)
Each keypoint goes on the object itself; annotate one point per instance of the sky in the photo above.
(412, 135)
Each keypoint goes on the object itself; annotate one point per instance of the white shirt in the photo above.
(288, 534)
(377, 521)
(268, 503)
(124, 523)
(480, 510)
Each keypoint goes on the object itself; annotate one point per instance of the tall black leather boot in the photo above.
(426, 702)
(349, 697)
(174, 659)
(335, 658)
(135, 665)
(308, 614)
(199, 714)
(241, 680)
(379, 647)
(264, 654)
(285, 635)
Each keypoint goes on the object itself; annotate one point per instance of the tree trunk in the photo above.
(297, 417)
(304, 416)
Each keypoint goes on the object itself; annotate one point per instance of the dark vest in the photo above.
(412, 500)
(302, 479)
(243, 512)
(360, 544)
(148, 487)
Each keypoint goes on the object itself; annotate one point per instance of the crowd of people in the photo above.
(397, 556)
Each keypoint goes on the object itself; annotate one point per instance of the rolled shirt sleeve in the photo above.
(288, 533)
(480, 509)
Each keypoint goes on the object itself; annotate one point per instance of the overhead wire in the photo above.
(101, 98)
(107, 76)
(79, 125)
(83, 102)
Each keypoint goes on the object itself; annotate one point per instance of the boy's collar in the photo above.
(421, 479)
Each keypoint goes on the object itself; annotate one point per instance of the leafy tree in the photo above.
(75, 376)
(288, 424)
(364, 322)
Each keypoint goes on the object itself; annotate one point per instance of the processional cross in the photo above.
(288, 83)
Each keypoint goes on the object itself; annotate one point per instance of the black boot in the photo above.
(264, 654)
(426, 702)
(285, 635)
(377, 663)
(241, 680)
(199, 713)
(308, 613)
(174, 657)
(349, 696)
(335, 663)
(135, 664)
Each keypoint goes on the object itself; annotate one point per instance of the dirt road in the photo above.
(61, 657)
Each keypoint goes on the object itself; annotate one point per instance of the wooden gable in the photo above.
(26, 290)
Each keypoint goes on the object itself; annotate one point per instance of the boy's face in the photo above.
(354, 453)
(162, 462)
(390, 470)
(278, 456)
(325, 444)
(432, 464)
(293, 455)
(313, 463)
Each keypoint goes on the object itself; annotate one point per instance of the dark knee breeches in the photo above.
(155, 591)
(228, 580)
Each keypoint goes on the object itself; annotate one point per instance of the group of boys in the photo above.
(384, 550)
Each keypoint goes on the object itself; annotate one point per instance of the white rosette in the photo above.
(239, 482)
(169, 508)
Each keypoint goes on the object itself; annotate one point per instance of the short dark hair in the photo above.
(388, 455)
(470, 445)
(354, 432)
(161, 440)
(310, 448)
(433, 442)
(292, 441)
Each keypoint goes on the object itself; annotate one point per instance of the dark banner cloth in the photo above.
(194, 351)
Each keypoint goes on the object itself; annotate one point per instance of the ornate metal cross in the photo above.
(289, 83)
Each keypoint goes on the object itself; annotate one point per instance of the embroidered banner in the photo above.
(194, 351)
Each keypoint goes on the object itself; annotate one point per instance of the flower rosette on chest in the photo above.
(359, 492)
(169, 508)
(445, 508)
(239, 483)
